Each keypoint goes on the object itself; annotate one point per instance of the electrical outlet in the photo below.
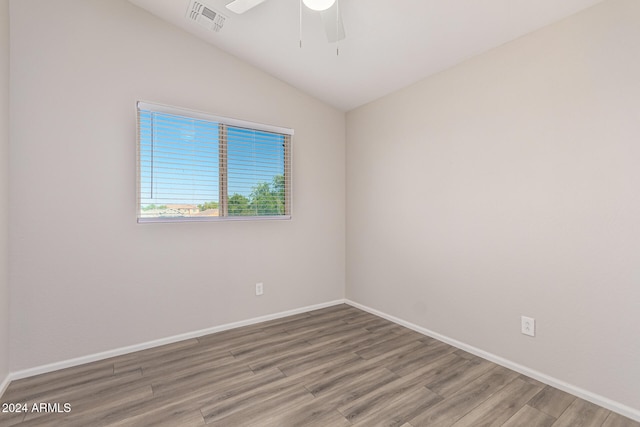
(259, 288)
(528, 326)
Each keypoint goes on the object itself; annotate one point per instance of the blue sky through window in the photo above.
(253, 157)
(180, 159)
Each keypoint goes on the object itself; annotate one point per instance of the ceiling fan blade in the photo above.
(241, 6)
(332, 20)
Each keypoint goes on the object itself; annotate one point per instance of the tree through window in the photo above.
(194, 166)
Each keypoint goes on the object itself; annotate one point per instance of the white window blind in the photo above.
(194, 166)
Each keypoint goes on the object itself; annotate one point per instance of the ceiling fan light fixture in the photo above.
(318, 5)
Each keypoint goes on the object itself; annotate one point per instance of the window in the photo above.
(198, 167)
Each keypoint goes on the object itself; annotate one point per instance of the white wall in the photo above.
(504, 186)
(85, 277)
(4, 191)
(508, 186)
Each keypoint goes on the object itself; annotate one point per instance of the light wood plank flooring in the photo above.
(337, 366)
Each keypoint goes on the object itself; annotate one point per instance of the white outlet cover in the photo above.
(528, 326)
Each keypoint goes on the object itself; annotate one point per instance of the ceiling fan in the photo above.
(329, 11)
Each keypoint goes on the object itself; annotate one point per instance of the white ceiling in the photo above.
(389, 43)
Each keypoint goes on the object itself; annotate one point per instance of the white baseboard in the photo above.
(4, 384)
(155, 343)
(612, 405)
(554, 382)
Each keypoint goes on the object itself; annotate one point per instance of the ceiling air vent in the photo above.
(206, 16)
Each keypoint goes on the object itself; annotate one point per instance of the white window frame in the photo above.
(222, 173)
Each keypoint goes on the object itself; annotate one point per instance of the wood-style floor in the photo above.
(333, 367)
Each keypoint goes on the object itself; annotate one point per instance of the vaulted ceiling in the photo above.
(389, 44)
